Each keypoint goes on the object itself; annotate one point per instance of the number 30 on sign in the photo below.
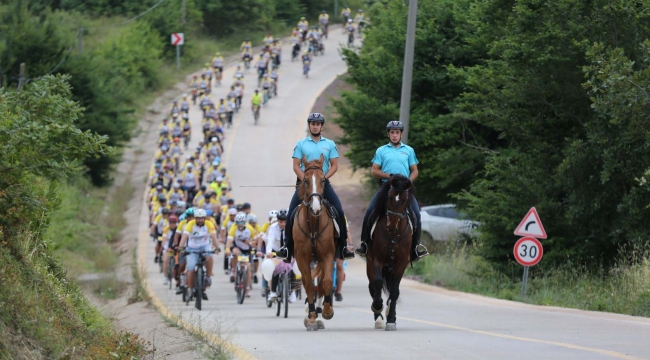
(528, 251)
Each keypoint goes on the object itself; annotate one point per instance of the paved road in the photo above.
(432, 323)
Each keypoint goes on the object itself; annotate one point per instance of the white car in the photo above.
(444, 222)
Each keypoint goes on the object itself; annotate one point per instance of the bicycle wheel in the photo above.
(160, 262)
(198, 286)
(170, 270)
(266, 297)
(286, 289)
(280, 292)
(239, 284)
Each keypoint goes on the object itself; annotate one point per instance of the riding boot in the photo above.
(362, 250)
(418, 250)
(343, 245)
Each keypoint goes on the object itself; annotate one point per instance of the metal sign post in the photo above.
(524, 282)
(178, 57)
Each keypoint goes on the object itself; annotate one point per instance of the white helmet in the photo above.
(219, 178)
(273, 213)
(251, 218)
(200, 213)
(240, 217)
(232, 211)
(214, 139)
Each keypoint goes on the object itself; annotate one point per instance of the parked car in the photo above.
(444, 222)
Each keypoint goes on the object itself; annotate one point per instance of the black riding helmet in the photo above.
(394, 125)
(246, 206)
(316, 117)
(283, 214)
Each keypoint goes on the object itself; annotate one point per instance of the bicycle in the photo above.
(247, 64)
(200, 279)
(172, 266)
(305, 69)
(241, 275)
(265, 98)
(283, 291)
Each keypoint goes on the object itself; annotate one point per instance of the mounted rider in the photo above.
(394, 158)
(313, 146)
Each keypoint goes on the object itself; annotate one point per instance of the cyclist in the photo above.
(168, 237)
(157, 227)
(239, 92)
(246, 45)
(274, 80)
(256, 101)
(345, 14)
(312, 147)
(324, 20)
(274, 242)
(394, 158)
(191, 180)
(207, 72)
(251, 219)
(240, 239)
(239, 74)
(266, 86)
(185, 105)
(303, 24)
(265, 227)
(217, 64)
(196, 236)
(268, 40)
(359, 20)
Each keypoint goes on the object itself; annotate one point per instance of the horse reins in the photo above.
(313, 235)
(394, 239)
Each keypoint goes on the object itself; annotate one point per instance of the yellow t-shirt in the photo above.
(265, 227)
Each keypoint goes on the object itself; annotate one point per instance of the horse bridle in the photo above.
(401, 216)
(308, 198)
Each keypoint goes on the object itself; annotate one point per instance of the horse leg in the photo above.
(377, 285)
(391, 317)
(308, 284)
(326, 276)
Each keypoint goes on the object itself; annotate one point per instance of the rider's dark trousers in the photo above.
(329, 195)
(415, 210)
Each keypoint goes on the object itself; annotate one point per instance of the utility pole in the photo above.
(21, 78)
(80, 40)
(407, 76)
(336, 9)
(183, 11)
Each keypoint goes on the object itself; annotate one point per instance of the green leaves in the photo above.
(518, 104)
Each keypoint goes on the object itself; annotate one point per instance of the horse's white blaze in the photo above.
(315, 202)
(397, 197)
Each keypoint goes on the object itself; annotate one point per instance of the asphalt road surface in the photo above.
(432, 323)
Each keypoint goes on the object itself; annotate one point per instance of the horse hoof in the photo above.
(320, 324)
(328, 313)
(391, 327)
(379, 324)
(312, 327)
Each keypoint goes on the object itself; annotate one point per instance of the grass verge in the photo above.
(45, 316)
(623, 289)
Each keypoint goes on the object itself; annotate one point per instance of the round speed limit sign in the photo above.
(528, 251)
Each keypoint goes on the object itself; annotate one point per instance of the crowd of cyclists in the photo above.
(191, 212)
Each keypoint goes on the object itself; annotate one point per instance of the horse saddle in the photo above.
(331, 211)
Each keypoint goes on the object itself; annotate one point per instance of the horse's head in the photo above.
(398, 200)
(313, 184)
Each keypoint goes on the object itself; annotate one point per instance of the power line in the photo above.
(126, 21)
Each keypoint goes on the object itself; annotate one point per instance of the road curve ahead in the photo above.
(432, 323)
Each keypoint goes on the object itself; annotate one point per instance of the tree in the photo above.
(40, 144)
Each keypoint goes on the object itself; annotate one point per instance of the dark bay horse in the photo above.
(389, 254)
(313, 237)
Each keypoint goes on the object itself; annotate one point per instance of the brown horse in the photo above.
(389, 254)
(313, 237)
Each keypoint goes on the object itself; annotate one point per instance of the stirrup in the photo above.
(362, 250)
(420, 251)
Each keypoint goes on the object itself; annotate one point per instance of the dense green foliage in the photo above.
(124, 46)
(518, 104)
(43, 314)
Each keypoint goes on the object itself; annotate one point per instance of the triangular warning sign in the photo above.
(531, 225)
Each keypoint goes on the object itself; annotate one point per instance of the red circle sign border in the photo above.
(539, 245)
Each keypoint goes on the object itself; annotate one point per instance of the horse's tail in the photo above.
(317, 272)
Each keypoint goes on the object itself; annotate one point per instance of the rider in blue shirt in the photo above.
(394, 158)
(313, 146)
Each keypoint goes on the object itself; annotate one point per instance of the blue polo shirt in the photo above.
(313, 150)
(395, 160)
